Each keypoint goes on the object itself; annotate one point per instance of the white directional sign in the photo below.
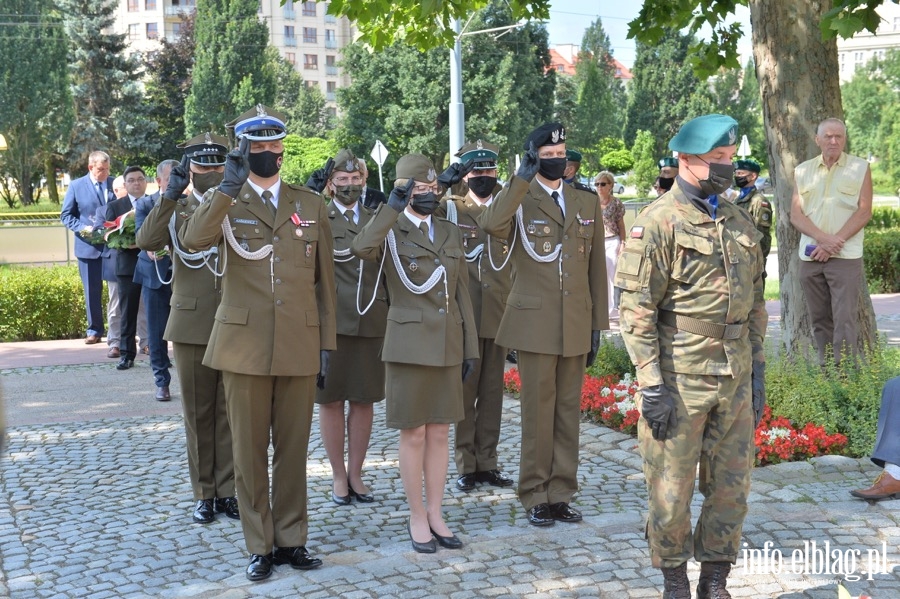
(379, 153)
(744, 149)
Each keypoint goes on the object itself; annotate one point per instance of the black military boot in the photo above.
(676, 583)
(713, 576)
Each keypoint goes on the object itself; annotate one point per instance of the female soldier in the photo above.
(430, 333)
(356, 374)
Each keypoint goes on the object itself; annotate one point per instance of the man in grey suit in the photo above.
(84, 196)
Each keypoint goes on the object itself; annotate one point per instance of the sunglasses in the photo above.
(603, 184)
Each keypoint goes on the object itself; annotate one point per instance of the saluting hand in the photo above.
(319, 178)
(237, 169)
(455, 173)
(530, 164)
(179, 179)
(399, 197)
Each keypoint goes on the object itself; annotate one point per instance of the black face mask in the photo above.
(265, 164)
(718, 179)
(483, 187)
(347, 194)
(425, 203)
(665, 183)
(552, 169)
(204, 181)
(741, 181)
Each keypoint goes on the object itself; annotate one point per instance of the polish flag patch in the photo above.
(637, 232)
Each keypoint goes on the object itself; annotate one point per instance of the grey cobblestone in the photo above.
(101, 508)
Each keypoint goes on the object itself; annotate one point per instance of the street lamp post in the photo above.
(457, 108)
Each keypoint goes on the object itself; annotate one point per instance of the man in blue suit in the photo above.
(84, 196)
(155, 277)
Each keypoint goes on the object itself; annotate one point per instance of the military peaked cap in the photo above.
(483, 154)
(207, 149)
(260, 123)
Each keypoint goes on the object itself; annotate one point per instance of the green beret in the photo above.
(345, 161)
(207, 149)
(746, 165)
(483, 154)
(416, 166)
(668, 161)
(702, 134)
(573, 155)
(549, 134)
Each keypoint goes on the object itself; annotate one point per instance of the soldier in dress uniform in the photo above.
(573, 165)
(693, 319)
(554, 314)
(195, 297)
(430, 345)
(746, 172)
(274, 328)
(356, 373)
(478, 433)
(668, 170)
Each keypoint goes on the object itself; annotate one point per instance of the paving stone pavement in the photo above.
(96, 507)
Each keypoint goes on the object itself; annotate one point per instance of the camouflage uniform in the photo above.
(760, 210)
(679, 261)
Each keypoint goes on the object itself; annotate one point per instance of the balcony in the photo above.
(174, 11)
(330, 18)
(331, 70)
(289, 13)
(290, 40)
(310, 66)
(329, 96)
(331, 44)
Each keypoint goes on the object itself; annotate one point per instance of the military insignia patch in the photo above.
(299, 232)
(413, 266)
(431, 174)
(765, 216)
(637, 232)
(547, 247)
(349, 167)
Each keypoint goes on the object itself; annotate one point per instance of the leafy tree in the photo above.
(798, 79)
(34, 92)
(645, 157)
(303, 155)
(728, 97)
(618, 161)
(168, 84)
(103, 81)
(304, 106)
(424, 25)
(566, 99)
(663, 94)
(231, 71)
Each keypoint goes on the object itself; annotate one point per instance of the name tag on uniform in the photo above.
(246, 221)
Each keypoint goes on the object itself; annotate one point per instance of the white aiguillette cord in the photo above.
(476, 253)
(341, 256)
(554, 255)
(425, 287)
(193, 256)
(260, 254)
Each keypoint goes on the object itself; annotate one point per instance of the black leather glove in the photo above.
(758, 379)
(237, 169)
(319, 179)
(595, 346)
(179, 179)
(530, 163)
(324, 356)
(400, 196)
(468, 367)
(455, 173)
(658, 409)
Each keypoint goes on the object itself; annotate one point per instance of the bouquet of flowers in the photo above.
(117, 234)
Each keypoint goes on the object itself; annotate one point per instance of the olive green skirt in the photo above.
(418, 395)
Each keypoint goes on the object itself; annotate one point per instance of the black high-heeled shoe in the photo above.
(345, 500)
(360, 497)
(451, 542)
(428, 547)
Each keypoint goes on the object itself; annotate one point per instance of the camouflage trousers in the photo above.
(714, 430)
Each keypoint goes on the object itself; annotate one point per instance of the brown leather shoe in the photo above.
(676, 583)
(162, 393)
(114, 353)
(92, 339)
(713, 578)
(145, 350)
(884, 487)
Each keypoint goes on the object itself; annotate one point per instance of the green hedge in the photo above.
(883, 217)
(41, 303)
(881, 260)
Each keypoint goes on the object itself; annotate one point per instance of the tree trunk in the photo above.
(50, 174)
(799, 87)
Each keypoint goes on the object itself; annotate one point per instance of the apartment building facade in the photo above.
(856, 52)
(302, 33)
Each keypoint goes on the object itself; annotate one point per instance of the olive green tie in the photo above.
(423, 227)
(267, 198)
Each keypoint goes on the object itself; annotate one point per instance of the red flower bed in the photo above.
(610, 402)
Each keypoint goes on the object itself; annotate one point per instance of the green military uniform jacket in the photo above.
(277, 312)
(678, 259)
(760, 210)
(488, 287)
(420, 329)
(195, 290)
(346, 273)
(552, 306)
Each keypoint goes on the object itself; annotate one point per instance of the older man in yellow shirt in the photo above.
(832, 203)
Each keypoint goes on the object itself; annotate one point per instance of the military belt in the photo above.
(701, 327)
